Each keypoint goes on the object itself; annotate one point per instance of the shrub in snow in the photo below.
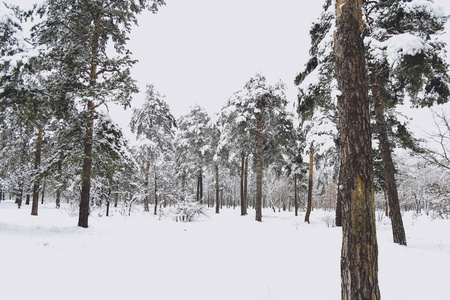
(329, 220)
(187, 211)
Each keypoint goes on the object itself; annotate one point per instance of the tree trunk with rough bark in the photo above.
(310, 186)
(86, 173)
(37, 163)
(259, 171)
(87, 162)
(398, 230)
(338, 220)
(359, 256)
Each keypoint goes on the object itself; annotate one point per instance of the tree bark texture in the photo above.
(37, 163)
(86, 173)
(338, 219)
(87, 161)
(310, 186)
(259, 172)
(359, 256)
(398, 230)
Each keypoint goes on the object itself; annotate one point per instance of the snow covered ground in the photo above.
(223, 256)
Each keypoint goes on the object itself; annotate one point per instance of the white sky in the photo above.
(202, 51)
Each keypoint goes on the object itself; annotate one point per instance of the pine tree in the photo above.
(77, 35)
(359, 258)
(191, 143)
(154, 124)
(262, 111)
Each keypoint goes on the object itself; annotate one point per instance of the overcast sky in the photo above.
(202, 51)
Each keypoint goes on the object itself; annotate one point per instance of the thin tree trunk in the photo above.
(37, 163)
(259, 172)
(87, 162)
(398, 230)
(359, 256)
(217, 188)
(116, 199)
(58, 197)
(295, 196)
(146, 182)
(310, 185)
(43, 190)
(338, 220)
(156, 193)
(246, 184)
(243, 206)
(86, 173)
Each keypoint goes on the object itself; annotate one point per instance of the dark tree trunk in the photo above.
(359, 256)
(146, 182)
(259, 171)
(116, 199)
(386, 204)
(310, 186)
(398, 230)
(243, 204)
(217, 188)
(295, 196)
(156, 193)
(87, 162)
(37, 163)
(338, 220)
(43, 190)
(86, 173)
(246, 184)
(58, 198)
(107, 207)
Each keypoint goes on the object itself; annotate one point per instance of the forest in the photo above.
(59, 145)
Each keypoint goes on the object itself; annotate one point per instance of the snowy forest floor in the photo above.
(222, 256)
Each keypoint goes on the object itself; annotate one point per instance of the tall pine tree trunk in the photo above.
(43, 190)
(87, 162)
(217, 188)
(58, 197)
(338, 219)
(37, 163)
(359, 256)
(86, 173)
(243, 196)
(398, 230)
(146, 182)
(156, 192)
(310, 185)
(246, 184)
(259, 171)
(295, 196)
